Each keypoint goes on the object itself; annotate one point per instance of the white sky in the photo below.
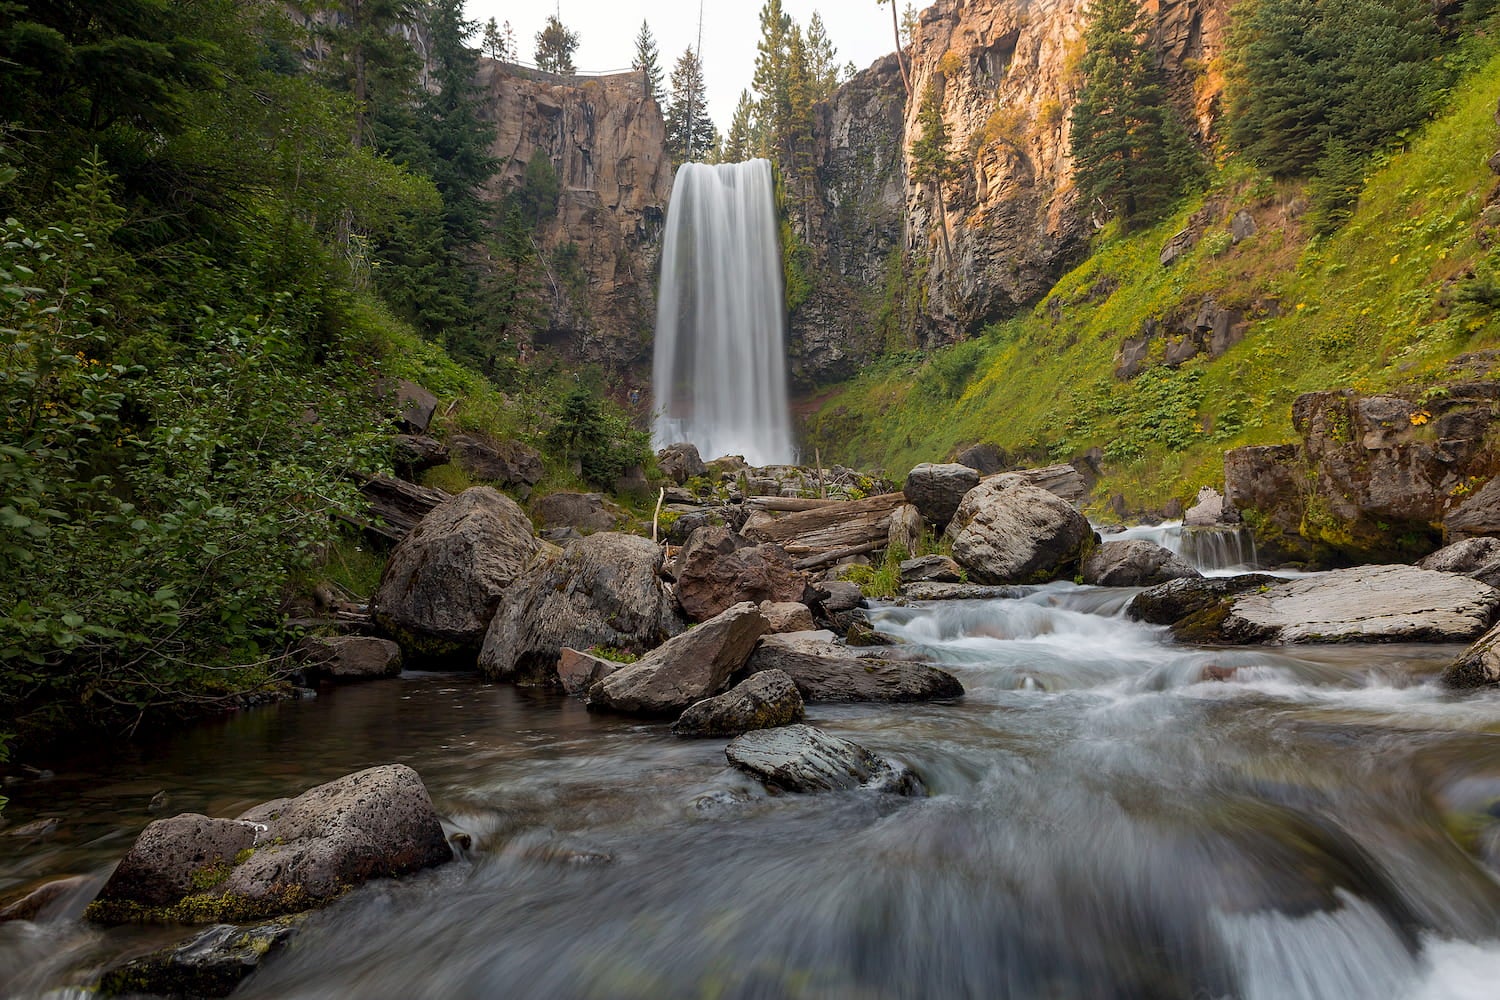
(860, 29)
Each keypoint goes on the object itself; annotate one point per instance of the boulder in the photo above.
(688, 668)
(211, 963)
(1477, 516)
(1064, 480)
(931, 569)
(1477, 666)
(787, 616)
(587, 512)
(763, 701)
(1365, 604)
(49, 898)
(937, 490)
(681, 462)
(1209, 510)
(602, 590)
(905, 533)
(1176, 602)
(826, 672)
(414, 454)
(985, 459)
(1134, 563)
(939, 591)
(443, 582)
(840, 595)
(351, 657)
(416, 405)
(1475, 557)
(578, 671)
(280, 857)
(718, 568)
(802, 758)
(1242, 226)
(1008, 531)
(509, 463)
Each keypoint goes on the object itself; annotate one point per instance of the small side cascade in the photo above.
(719, 371)
(1213, 550)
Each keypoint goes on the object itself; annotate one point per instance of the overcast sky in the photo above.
(860, 29)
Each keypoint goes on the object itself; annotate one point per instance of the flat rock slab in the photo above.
(934, 591)
(764, 701)
(805, 759)
(1365, 604)
(826, 672)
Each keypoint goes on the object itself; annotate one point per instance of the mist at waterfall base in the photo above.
(720, 365)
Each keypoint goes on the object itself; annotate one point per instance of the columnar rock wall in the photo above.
(606, 140)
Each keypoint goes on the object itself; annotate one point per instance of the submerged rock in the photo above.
(1365, 604)
(805, 759)
(1007, 531)
(689, 668)
(210, 964)
(1477, 666)
(826, 672)
(603, 590)
(281, 857)
(444, 580)
(764, 701)
(1134, 563)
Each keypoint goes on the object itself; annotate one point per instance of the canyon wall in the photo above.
(993, 237)
(605, 140)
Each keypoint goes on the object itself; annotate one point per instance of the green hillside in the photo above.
(1408, 283)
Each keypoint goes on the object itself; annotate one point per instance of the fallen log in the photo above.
(396, 506)
(834, 555)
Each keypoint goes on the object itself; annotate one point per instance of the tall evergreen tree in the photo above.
(555, 46)
(822, 62)
(497, 41)
(772, 87)
(371, 60)
(1131, 153)
(738, 145)
(690, 131)
(648, 62)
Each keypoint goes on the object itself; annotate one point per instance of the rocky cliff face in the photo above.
(606, 141)
(1004, 74)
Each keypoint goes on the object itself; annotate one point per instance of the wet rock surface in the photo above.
(826, 672)
(762, 701)
(1477, 666)
(805, 759)
(688, 668)
(281, 857)
(351, 657)
(1134, 563)
(210, 964)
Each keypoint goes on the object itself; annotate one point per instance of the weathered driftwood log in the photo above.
(832, 556)
(836, 526)
(791, 504)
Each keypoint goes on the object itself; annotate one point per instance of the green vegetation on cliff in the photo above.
(1386, 301)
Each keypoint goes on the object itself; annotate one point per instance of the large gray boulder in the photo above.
(689, 668)
(718, 568)
(509, 463)
(1475, 557)
(805, 759)
(443, 582)
(351, 657)
(281, 857)
(826, 672)
(1008, 531)
(680, 462)
(1134, 563)
(587, 512)
(937, 490)
(602, 590)
(1477, 516)
(1477, 666)
(1365, 604)
(763, 701)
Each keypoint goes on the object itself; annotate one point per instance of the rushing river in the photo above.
(1110, 816)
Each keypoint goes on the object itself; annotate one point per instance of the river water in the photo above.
(1111, 816)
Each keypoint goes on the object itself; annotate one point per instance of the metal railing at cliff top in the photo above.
(532, 71)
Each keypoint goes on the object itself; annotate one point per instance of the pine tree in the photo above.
(738, 145)
(822, 64)
(1131, 153)
(648, 62)
(555, 46)
(496, 42)
(773, 104)
(372, 61)
(690, 131)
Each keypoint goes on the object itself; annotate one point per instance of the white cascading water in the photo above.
(720, 366)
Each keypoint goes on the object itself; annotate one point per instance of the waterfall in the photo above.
(720, 366)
